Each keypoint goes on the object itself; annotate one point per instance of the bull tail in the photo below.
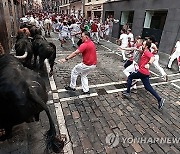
(53, 142)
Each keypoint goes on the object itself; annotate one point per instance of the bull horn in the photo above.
(23, 56)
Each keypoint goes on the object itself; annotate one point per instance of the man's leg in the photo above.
(158, 67)
(97, 36)
(173, 57)
(135, 75)
(92, 35)
(72, 38)
(84, 79)
(74, 74)
(129, 69)
(123, 54)
(149, 88)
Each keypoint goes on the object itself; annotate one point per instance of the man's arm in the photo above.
(73, 54)
(150, 62)
(155, 49)
(128, 49)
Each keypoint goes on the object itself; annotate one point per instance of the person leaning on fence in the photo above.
(143, 73)
(88, 50)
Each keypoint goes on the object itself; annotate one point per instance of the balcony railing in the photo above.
(73, 1)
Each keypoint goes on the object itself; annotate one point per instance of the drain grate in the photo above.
(101, 91)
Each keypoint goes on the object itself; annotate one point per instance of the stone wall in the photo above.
(9, 22)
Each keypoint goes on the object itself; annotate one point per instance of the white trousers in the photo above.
(174, 56)
(72, 39)
(97, 35)
(82, 70)
(131, 68)
(157, 66)
(123, 52)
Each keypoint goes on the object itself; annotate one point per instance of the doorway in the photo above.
(154, 24)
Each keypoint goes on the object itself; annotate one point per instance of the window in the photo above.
(155, 19)
(127, 18)
(154, 23)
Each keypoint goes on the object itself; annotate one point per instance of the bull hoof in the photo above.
(58, 144)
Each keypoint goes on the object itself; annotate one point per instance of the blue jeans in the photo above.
(145, 80)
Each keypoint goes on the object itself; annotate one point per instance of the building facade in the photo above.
(159, 18)
(94, 9)
(10, 12)
(72, 7)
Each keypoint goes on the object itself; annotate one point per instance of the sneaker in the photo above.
(69, 88)
(161, 103)
(127, 95)
(134, 91)
(86, 93)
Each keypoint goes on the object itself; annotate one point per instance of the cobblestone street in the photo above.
(105, 121)
(89, 119)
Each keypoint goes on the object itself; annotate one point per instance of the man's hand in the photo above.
(147, 66)
(62, 60)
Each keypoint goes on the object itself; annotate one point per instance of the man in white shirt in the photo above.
(74, 29)
(175, 54)
(63, 32)
(123, 43)
(47, 26)
(130, 37)
(106, 31)
(154, 51)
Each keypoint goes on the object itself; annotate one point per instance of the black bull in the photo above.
(23, 96)
(23, 45)
(44, 49)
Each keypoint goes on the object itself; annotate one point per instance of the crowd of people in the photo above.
(69, 26)
(137, 53)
